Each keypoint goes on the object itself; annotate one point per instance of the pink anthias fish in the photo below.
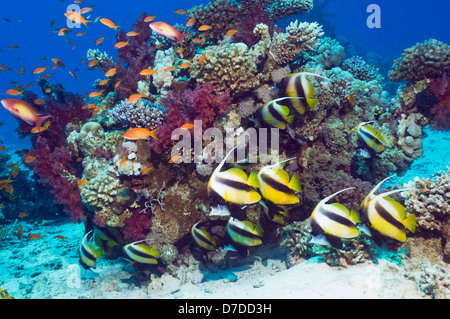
(167, 30)
(24, 111)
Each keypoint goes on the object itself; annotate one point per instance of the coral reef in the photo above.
(279, 9)
(429, 199)
(299, 37)
(227, 67)
(424, 60)
(140, 114)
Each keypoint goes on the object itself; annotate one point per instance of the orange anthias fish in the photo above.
(2, 148)
(169, 69)
(132, 34)
(230, 33)
(34, 236)
(22, 215)
(111, 72)
(20, 233)
(13, 92)
(187, 126)
(92, 63)
(41, 129)
(39, 70)
(167, 30)
(30, 159)
(351, 99)
(190, 23)
(99, 40)
(81, 182)
(149, 19)
(180, 12)
(60, 237)
(205, 28)
(139, 134)
(134, 98)
(14, 172)
(147, 72)
(24, 111)
(109, 23)
(146, 170)
(174, 158)
(76, 17)
(120, 45)
(185, 65)
(5, 182)
(123, 161)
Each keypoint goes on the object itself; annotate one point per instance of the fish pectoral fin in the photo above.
(290, 119)
(410, 223)
(294, 184)
(354, 216)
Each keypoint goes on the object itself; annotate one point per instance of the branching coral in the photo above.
(424, 60)
(362, 70)
(299, 37)
(227, 67)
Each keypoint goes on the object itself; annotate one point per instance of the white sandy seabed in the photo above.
(49, 268)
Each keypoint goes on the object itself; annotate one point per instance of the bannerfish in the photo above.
(88, 253)
(297, 86)
(372, 139)
(107, 238)
(244, 233)
(276, 114)
(167, 30)
(24, 111)
(388, 216)
(203, 238)
(141, 253)
(276, 186)
(231, 186)
(139, 134)
(275, 213)
(334, 219)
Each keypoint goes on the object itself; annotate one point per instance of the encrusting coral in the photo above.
(140, 114)
(424, 60)
(280, 9)
(429, 200)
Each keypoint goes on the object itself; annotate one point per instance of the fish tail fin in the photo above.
(253, 180)
(295, 183)
(410, 223)
(152, 134)
(180, 37)
(39, 120)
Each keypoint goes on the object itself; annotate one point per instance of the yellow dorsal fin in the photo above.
(253, 229)
(239, 173)
(380, 137)
(282, 174)
(341, 208)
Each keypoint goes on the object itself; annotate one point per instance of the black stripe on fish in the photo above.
(299, 87)
(367, 134)
(241, 232)
(139, 253)
(235, 184)
(202, 238)
(338, 219)
(276, 185)
(86, 253)
(388, 217)
(273, 112)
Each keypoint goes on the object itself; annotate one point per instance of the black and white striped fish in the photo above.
(141, 253)
(297, 86)
(276, 114)
(88, 253)
(370, 138)
(203, 238)
(334, 219)
(244, 233)
(231, 186)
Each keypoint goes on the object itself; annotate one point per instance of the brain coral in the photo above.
(424, 60)
(228, 66)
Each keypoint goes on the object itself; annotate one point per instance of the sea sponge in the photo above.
(163, 79)
(299, 37)
(227, 67)
(424, 60)
(409, 133)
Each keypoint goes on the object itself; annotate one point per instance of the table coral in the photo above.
(299, 37)
(227, 67)
(429, 59)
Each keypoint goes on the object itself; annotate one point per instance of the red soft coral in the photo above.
(202, 103)
(440, 112)
(136, 226)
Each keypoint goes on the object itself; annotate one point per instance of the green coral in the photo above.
(227, 67)
(4, 232)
